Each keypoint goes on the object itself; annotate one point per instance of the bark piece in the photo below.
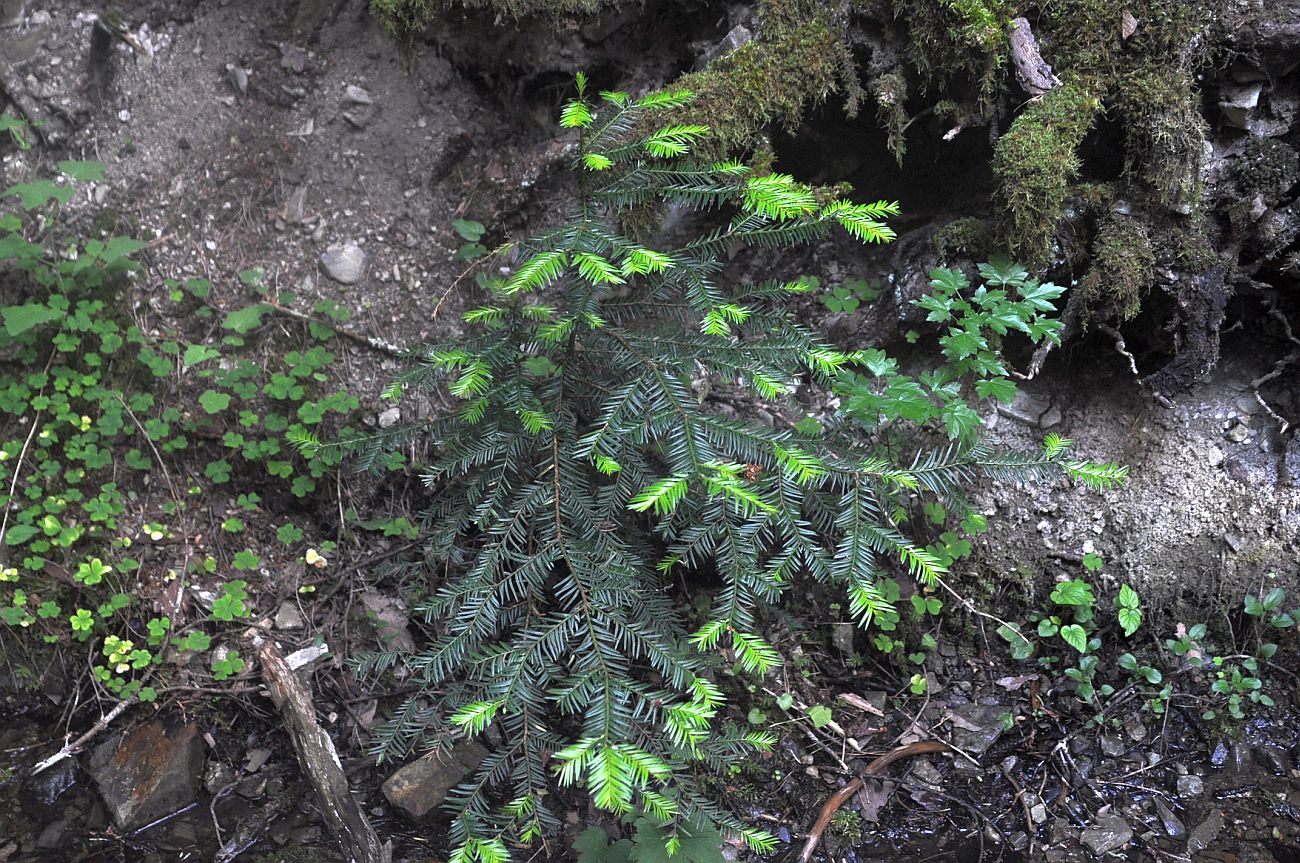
(1032, 72)
(320, 761)
(423, 784)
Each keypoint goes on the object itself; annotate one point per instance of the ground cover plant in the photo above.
(118, 436)
(584, 476)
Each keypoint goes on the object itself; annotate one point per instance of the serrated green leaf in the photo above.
(243, 321)
(20, 319)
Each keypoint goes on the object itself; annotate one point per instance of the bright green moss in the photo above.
(1036, 162)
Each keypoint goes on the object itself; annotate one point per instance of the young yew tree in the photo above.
(584, 467)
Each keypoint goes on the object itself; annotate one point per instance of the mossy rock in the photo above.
(1123, 267)
(1164, 134)
(798, 60)
(1268, 168)
(967, 239)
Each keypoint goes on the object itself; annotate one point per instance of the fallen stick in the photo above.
(319, 760)
(74, 747)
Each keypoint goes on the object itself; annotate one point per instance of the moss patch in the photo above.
(963, 239)
(1164, 134)
(799, 59)
(1268, 168)
(1123, 267)
(958, 42)
(1036, 162)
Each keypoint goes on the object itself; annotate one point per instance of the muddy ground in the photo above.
(244, 134)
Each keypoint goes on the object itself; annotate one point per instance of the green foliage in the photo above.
(471, 232)
(851, 293)
(1129, 610)
(89, 405)
(232, 604)
(226, 664)
(569, 494)
(975, 323)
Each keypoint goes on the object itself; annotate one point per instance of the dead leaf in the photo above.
(254, 759)
(1010, 684)
(873, 796)
(963, 723)
(855, 700)
(388, 615)
(1127, 25)
(364, 714)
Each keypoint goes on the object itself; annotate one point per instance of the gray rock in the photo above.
(360, 116)
(148, 771)
(345, 263)
(1136, 731)
(390, 417)
(424, 784)
(976, 727)
(1205, 832)
(1190, 787)
(1112, 746)
(841, 633)
(54, 836)
(359, 95)
(293, 59)
(238, 77)
(736, 37)
(43, 790)
(1109, 833)
(1275, 758)
(1237, 101)
(217, 776)
(288, 616)
(11, 12)
(1173, 826)
(876, 699)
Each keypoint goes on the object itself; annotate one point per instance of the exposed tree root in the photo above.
(839, 798)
